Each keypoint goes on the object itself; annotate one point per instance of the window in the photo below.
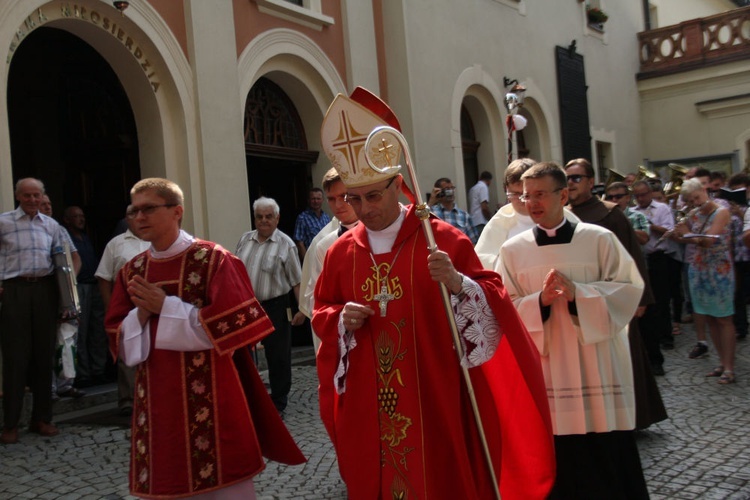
(304, 12)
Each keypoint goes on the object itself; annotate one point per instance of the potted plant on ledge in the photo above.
(596, 17)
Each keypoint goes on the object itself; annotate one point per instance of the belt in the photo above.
(275, 299)
(657, 253)
(28, 279)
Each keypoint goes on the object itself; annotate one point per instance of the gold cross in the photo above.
(349, 141)
(384, 149)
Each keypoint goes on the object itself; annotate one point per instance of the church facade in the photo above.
(226, 97)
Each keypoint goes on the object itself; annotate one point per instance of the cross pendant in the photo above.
(383, 298)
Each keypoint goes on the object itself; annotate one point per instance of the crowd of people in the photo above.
(529, 384)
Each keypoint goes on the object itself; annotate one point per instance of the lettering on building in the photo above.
(67, 10)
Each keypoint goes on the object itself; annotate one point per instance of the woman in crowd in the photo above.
(711, 272)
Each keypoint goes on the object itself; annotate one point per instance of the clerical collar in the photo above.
(563, 234)
(183, 241)
(345, 227)
(552, 232)
(382, 241)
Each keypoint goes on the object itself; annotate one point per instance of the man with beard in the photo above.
(580, 174)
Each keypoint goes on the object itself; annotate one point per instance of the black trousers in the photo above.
(675, 288)
(741, 272)
(28, 322)
(596, 466)
(278, 349)
(661, 270)
(655, 325)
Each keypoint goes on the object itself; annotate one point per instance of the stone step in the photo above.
(106, 395)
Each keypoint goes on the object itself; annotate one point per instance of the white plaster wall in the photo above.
(221, 173)
(670, 12)
(432, 43)
(675, 128)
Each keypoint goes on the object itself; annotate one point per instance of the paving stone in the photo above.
(701, 452)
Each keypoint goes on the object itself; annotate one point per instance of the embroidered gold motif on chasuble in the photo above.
(394, 425)
(381, 278)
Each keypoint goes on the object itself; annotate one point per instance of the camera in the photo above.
(445, 192)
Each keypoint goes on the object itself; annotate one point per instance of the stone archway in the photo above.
(150, 66)
(276, 147)
(71, 125)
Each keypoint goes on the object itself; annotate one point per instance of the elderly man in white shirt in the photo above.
(272, 263)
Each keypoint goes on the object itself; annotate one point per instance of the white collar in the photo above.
(553, 232)
(382, 241)
(183, 241)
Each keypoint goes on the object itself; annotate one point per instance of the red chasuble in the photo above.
(202, 420)
(404, 427)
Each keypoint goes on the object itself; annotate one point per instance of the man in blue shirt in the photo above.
(310, 222)
(92, 340)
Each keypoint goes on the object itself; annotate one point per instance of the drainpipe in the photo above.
(646, 16)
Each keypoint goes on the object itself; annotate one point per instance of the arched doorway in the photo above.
(278, 162)
(72, 126)
(469, 147)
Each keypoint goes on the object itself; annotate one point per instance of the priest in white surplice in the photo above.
(576, 289)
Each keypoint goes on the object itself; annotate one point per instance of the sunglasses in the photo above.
(616, 196)
(577, 178)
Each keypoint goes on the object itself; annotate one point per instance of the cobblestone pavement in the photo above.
(701, 452)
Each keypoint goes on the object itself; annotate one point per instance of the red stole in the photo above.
(404, 424)
(193, 430)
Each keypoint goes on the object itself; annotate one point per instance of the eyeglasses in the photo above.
(513, 196)
(147, 210)
(537, 196)
(577, 177)
(371, 197)
(335, 199)
(617, 196)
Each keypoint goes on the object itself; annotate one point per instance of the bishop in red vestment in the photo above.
(202, 418)
(392, 396)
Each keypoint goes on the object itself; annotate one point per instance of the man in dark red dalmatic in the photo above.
(182, 312)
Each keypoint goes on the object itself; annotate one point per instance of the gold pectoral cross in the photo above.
(383, 298)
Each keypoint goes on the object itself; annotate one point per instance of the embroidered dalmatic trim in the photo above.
(201, 419)
(141, 439)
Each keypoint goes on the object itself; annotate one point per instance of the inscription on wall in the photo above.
(66, 10)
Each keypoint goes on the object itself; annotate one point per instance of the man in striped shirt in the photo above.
(28, 318)
(270, 257)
